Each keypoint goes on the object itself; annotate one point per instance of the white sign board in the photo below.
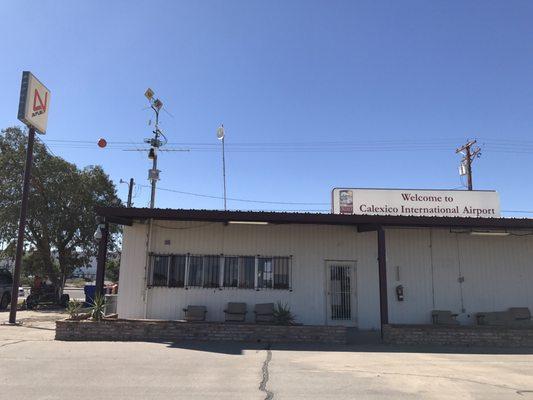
(428, 203)
(34, 102)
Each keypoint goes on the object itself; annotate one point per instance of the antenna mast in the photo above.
(155, 143)
(221, 134)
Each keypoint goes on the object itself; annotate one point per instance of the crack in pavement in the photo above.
(8, 344)
(265, 375)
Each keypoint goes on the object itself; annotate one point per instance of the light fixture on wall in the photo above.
(489, 233)
(248, 222)
(98, 232)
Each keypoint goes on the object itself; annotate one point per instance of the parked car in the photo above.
(6, 281)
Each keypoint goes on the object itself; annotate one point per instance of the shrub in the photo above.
(98, 308)
(74, 309)
(283, 314)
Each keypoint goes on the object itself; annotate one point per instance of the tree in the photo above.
(112, 270)
(34, 264)
(61, 218)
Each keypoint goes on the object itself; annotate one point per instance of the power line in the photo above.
(284, 202)
(491, 146)
(237, 199)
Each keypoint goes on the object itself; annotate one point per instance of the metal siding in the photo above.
(497, 271)
(409, 250)
(447, 270)
(310, 246)
(130, 302)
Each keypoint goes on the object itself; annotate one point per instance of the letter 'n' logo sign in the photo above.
(38, 104)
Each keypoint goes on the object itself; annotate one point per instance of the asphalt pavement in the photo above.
(75, 293)
(35, 366)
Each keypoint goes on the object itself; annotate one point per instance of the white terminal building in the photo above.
(380, 257)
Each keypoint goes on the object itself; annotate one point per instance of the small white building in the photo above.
(354, 270)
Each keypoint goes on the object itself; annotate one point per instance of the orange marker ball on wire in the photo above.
(102, 143)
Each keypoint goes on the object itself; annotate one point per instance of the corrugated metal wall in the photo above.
(497, 273)
(130, 303)
(310, 246)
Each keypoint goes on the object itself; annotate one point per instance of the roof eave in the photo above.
(126, 216)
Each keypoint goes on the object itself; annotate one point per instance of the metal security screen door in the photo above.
(340, 293)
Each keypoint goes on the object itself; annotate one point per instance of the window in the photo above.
(281, 272)
(273, 272)
(177, 271)
(239, 272)
(210, 271)
(231, 271)
(160, 274)
(195, 271)
(247, 272)
(265, 273)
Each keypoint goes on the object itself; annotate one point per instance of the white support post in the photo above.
(221, 269)
(168, 270)
(186, 279)
(256, 275)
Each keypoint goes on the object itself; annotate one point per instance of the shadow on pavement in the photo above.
(237, 348)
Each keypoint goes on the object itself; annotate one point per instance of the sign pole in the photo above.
(22, 226)
(34, 103)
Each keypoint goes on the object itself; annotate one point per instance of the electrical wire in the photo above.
(282, 202)
(385, 145)
(235, 199)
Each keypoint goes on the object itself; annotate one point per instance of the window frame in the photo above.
(241, 272)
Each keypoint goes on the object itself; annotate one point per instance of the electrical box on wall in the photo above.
(399, 293)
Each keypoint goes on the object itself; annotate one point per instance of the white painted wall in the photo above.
(497, 271)
(130, 303)
(310, 246)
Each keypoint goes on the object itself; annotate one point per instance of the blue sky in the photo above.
(313, 94)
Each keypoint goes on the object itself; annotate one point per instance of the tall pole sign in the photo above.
(34, 105)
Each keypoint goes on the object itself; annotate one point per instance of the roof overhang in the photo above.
(127, 216)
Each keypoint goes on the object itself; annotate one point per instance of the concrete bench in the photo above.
(514, 316)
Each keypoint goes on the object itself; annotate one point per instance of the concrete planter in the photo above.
(152, 330)
(489, 336)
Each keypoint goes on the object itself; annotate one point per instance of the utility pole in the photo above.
(130, 190)
(470, 153)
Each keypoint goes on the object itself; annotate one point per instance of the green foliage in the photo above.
(34, 263)
(98, 308)
(112, 270)
(74, 308)
(26, 281)
(61, 216)
(283, 314)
